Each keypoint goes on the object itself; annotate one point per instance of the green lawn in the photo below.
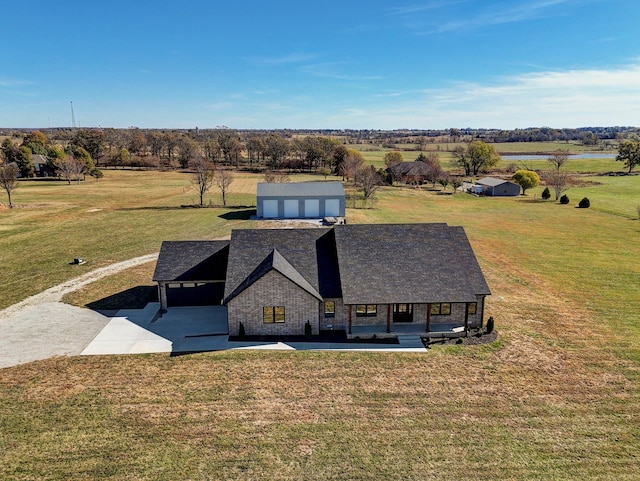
(556, 397)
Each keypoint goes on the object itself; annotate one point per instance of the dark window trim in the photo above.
(475, 308)
(366, 310)
(436, 309)
(271, 316)
(330, 312)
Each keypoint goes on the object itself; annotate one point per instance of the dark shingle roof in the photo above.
(363, 264)
(275, 261)
(251, 247)
(299, 189)
(409, 263)
(415, 168)
(192, 261)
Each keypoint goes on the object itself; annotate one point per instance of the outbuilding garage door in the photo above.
(291, 208)
(332, 207)
(269, 208)
(312, 208)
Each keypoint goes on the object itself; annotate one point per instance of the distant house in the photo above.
(497, 187)
(41, 166)
(300, 200)
(415, 172)
(347, 277)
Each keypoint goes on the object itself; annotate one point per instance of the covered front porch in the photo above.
(417, 329)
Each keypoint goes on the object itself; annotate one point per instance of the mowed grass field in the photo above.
(556, 397)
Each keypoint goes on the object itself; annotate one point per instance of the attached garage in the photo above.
(298, 200)
(191, 273)
(194, 293)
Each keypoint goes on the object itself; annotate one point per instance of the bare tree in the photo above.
(9, 179)
(559, 180)
(203, 173)
(71, 168)
(456, 183)
(557, 159)
(352, 164)
(223, 179)
(368, 180)
(271, 177)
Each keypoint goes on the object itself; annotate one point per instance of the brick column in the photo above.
(388, 318)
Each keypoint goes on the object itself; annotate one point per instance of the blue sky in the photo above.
(324, 64)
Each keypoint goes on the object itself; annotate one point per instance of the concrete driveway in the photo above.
(180, 330)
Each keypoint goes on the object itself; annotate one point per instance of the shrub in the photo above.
(546, 195)
(490, 323)
(307, 330)
(584, 203)
(564, 199)
(241, 333)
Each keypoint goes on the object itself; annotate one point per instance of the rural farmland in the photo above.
(555, 397)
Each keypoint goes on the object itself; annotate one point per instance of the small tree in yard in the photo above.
(546, 195)
(203, 173)
(368, 180)
(527, 179)
(584, 203)
(559, 180)
(456, 183)
(9, 179)
(223, 179)
(564, 199)
(71, 168)
(444, 181)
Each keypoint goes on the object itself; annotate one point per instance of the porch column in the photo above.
(388, 318)
(162, 295)
(428, 317)
(466, 318)
(349, 318)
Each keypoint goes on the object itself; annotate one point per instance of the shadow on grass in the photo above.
(134, 298)
(244, 214)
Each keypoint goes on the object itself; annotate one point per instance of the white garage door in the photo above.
(291, 209)
(332, 207)
(312, 208)
(269, 208)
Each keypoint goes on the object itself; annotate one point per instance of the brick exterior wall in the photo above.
(273, 289)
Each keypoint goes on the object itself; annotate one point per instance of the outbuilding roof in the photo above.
(299, 189)
(492, 181)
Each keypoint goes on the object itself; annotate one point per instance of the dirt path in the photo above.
(41, 326)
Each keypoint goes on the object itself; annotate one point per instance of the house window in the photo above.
(329, 309)
(366, 310)
(271, 314)
(442, 309)
(472, 308)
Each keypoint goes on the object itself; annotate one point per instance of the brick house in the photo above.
(344, 277)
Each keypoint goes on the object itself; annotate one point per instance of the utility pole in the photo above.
(73, 117)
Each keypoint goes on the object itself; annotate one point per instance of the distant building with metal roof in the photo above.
(300, 200)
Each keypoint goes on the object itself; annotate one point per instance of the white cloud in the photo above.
(573, 98)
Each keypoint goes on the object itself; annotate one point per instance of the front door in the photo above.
(403, 313)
